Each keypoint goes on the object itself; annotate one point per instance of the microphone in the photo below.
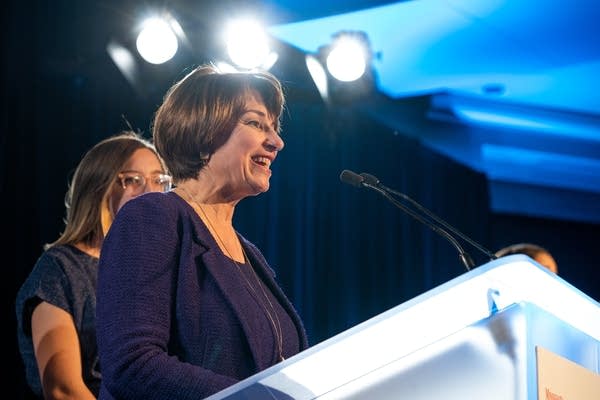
(371, 182)
(352, 178)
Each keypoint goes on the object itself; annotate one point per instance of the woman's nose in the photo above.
(274, 142)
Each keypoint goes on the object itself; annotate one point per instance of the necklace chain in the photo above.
(273, 318)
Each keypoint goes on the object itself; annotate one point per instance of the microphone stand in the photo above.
(373, 181)
(463, 256)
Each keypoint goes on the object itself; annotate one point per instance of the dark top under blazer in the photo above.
(173, 320)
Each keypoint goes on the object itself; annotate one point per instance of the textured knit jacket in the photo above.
(173, 320)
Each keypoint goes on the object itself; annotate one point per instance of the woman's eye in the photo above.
(160, 180)
(253, 123)
(131, 180)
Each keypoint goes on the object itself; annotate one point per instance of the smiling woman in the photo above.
(208, 306)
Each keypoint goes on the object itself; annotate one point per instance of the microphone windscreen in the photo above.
(351, 178)
(369, 179)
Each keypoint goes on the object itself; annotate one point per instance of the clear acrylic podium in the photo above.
(481, 335)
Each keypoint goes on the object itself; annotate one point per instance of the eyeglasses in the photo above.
(137, 182)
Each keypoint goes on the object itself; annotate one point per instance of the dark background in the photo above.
(342, 254)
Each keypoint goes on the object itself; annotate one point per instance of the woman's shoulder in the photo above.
(65, 251)
(57, 267)
(165, 212)
(63, 261)
(155, 204)
(62, 256)
(168, 199)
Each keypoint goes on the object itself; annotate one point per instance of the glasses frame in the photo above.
(143, 181)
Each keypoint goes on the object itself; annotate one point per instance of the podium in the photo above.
(509, 329)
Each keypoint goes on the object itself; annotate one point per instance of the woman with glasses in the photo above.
(197, 308)
(56, 305)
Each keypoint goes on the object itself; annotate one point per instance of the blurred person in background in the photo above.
(535, 252)
(56, 305)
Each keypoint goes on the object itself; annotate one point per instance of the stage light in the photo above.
(248, 45)
(124, 60)
(342, 70)
(157, 43)
(347, 59)
(318, 75)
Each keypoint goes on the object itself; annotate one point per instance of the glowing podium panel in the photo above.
(480, 335)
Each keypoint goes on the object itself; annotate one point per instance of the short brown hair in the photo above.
(200, 111)
(529, 249)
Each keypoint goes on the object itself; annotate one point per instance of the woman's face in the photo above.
(243, 164)
(142, 173)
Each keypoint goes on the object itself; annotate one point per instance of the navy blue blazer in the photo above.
(174, 320)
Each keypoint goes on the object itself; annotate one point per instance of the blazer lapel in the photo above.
(231, 289)
(268, 276)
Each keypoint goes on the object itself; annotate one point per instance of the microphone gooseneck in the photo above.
(372, 180)
(368, 181)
